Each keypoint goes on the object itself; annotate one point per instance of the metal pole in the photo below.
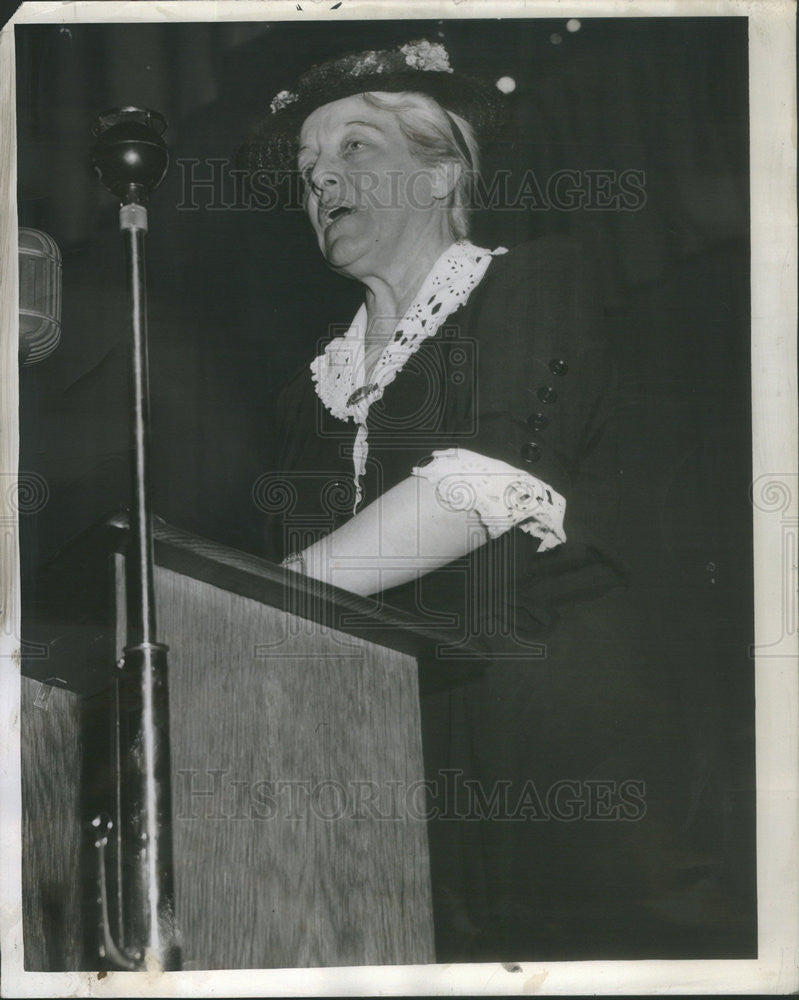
(133, 225)
(150, 917)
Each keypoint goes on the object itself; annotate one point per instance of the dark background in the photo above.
(239, 300)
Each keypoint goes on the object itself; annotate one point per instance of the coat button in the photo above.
(547, 394)
(538, 421)
(558, 366)
(531, 452)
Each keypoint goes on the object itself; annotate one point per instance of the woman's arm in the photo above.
(404, 534)
(451, 504)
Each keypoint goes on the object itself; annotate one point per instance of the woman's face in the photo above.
(368, 197)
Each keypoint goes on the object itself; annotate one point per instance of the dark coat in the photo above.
(520, 373)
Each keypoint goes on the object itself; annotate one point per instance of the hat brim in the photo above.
(272, 141)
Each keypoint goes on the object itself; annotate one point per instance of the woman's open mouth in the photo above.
(339, 212)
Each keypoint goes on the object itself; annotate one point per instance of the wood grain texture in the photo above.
(304, 873)
(51, 828)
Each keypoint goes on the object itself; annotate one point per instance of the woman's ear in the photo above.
(446, 175)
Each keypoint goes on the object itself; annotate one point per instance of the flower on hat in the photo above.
(424, 55)
(282, 100)
(369, 62)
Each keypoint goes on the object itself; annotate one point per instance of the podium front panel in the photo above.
(298, 794)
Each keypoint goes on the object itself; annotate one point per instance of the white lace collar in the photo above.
(338, 372)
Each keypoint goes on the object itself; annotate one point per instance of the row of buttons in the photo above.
(531, 450)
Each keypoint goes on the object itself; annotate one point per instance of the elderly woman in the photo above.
(437, 452)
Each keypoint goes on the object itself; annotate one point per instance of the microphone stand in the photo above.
(131, 159)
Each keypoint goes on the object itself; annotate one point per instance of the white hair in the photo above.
(435, 136)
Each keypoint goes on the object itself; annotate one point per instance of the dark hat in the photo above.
(420, 67)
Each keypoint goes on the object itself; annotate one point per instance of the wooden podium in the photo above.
(297, 774)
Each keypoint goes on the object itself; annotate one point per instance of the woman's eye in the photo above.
(354, 145)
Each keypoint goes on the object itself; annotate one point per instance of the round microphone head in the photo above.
(130, 156)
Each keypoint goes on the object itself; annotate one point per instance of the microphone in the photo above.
(39, 296)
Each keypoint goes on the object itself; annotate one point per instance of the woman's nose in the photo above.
(324, 177)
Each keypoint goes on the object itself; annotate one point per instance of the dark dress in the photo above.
(538, 762)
